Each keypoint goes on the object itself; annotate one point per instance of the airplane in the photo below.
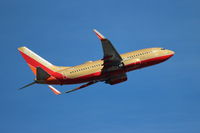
(111, 69)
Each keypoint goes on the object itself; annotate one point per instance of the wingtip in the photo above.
(99, 35)
(54, 90)
(22, 48)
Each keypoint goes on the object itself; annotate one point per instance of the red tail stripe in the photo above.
(35, 63)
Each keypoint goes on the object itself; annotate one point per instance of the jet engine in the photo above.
(116, 80)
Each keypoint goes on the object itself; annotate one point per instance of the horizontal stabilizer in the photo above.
(27, 85)
(55, 91)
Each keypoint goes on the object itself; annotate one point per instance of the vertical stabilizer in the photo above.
(34, 60)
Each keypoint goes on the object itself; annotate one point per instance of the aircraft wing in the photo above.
(112, 59)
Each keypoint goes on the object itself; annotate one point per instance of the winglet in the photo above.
(54, 90)
(99, 35)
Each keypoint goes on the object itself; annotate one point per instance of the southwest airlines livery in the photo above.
(111, 69)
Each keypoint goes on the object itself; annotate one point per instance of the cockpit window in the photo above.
(163, 49)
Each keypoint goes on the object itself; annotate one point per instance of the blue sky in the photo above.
(159, 99)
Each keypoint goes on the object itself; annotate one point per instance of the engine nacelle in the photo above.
(116, 80)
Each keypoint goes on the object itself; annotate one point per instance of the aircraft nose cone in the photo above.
(171, 52)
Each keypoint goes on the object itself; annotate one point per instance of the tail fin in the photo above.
(34, 60)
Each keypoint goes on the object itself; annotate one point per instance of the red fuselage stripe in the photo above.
(129, 67)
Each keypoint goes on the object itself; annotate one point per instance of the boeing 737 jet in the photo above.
(111, 69)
